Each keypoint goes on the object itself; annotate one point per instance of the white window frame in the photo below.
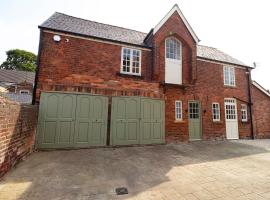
(244, 113)
(131, 61)
(173, 67)
(180, 49)
(178, 110)
(26, 91)
(213, 114)
(231, 76)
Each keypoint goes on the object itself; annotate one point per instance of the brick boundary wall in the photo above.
(17, 132)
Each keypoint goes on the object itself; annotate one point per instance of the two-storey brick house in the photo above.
(205, 92)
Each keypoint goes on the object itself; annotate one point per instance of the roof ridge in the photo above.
(101, 23)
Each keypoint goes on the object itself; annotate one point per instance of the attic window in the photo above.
(173, 48)
(131, 61)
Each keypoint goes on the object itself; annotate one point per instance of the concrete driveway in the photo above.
(199, 170)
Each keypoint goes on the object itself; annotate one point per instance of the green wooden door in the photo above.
(125, 120)
(72, 121)
(194, 121)
(152, 121)
(56, 120)
(137, 120)
(91, 121)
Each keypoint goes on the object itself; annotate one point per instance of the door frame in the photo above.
(200, 115)
(236, 117)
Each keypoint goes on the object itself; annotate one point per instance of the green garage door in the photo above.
(137, 120)
(71, 120)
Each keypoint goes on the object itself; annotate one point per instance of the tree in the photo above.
(20, 60)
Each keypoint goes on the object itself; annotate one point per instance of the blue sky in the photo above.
(240, 28)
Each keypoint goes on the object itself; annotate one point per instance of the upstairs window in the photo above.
(244, 112)
(229, 76)
(216, 112)
(131, 61)
(178, 110)
(173, 49)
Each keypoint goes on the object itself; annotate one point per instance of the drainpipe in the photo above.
(250, 102)
(37, 70)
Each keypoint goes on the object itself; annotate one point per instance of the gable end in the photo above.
(176, 9)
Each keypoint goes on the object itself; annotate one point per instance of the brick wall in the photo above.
(88, 66)
(84, 65)
(202, 81)
(261, 112)
(174, 27)
(208, 88)
(17, 132)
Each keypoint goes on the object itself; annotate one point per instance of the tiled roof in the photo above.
(14, 76)
(63, 22)
(215, 54)
(20, 98)
(66, 23)
(261, 88)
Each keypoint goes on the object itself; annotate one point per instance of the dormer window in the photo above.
(131, 61)
(173, 49)
(173, 61)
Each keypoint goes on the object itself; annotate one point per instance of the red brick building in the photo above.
(261, 110)
(206, 92)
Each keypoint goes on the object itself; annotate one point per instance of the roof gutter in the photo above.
(224, 62)
(94, 37)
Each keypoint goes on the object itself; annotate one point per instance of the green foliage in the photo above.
(20, 60)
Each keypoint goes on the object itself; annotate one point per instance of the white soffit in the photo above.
(177, 9)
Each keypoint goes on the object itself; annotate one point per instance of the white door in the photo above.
(173, 61)
(231, 119)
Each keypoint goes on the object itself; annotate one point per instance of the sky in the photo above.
(240, 28)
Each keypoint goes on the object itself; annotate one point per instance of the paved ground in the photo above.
(199, 170)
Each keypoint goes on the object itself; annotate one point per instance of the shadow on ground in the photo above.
(95, 173)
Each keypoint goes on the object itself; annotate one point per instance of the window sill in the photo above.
(245, 122)
(217, 122)
(138, 76)
(179, 121)
(230, 86)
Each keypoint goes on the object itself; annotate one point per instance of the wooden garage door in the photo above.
(71, 120)
(137, 120)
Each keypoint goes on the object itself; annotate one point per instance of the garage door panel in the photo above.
(125, 120)
(157, 110)
(120, 131)
(84, 107)
(49, 135)
(157, 131)
(82, 133)
(143, 119)
(67, 108)
(97, 109)
(146, 131)
(97, 131)
(65, 135)
(132, 107)
(52, 101)
(146, 110)
(152, 121)
(132, 130)
(72, 120)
